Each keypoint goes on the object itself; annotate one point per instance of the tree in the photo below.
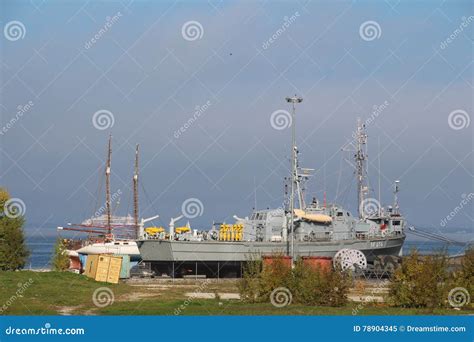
(13, 250)
(60, 258)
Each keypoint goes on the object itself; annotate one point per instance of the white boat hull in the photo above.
(129, 248)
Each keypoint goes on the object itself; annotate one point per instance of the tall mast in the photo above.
(135, 191)
(360, 158)
(379, 185)
(294, 176)
(395, 197)
(107, 186)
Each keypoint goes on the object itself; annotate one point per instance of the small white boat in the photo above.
(128, 247)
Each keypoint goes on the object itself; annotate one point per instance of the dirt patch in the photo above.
(67, 310)
(134, 296)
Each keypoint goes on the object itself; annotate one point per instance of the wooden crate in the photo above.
(90, 267)
(102, 268)
(108, 269)
(114, 269)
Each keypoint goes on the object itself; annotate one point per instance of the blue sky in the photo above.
(150, 78)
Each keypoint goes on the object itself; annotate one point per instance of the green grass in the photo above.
(48, 292)
(54, 293)
(212, 307)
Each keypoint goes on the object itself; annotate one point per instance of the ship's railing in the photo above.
(342, 236)
(327, 236)
(368, 236)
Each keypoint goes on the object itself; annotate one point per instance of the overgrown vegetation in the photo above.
(420, 282)
(465, 276)
(308, 284)
(425, 281)
(60, 261)
(13, 251)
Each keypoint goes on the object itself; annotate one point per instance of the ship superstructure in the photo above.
(296, 228)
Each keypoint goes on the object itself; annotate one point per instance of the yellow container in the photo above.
(114, 270)
(108, 269)
(90, 268)
(102, 268)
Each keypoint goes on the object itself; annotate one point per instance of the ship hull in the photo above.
(238, 251)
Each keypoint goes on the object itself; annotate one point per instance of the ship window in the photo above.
(117, 243)
(340, 214)
(125, 243)
(396, 223)
(348, 214)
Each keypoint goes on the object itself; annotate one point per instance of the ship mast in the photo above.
(135, 191)
(294, 175)
(360, 158)
(107, 186)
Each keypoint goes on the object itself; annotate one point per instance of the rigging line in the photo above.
(369, 187)
(100, 184)
(147, 197)
(324, 172)
(338, 179)
(347, 190)
(434, 238)
(430, 235)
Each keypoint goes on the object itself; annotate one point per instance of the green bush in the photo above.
(274, 275)
(307, 285)
(60, 260)
(420, 282)
(319, 286)
(465, 276)
(249, 284)
(13, 250)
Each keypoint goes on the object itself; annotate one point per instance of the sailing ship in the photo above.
(110, 234)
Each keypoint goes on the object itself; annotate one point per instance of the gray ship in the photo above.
(296, 229)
